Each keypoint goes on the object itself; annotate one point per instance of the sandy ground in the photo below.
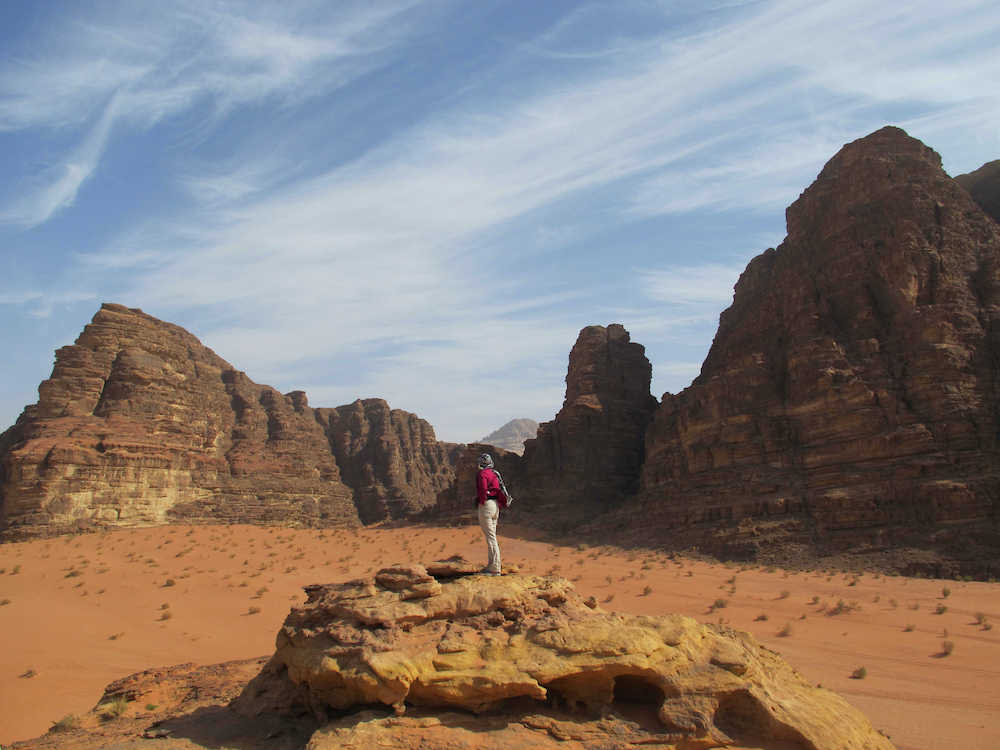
(79, 612)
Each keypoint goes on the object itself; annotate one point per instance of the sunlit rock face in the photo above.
(438, 638)
(141, 424)
(853, 381)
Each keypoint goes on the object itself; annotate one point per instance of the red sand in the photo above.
(86, 610)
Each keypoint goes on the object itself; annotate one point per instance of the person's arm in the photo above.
(481, 487)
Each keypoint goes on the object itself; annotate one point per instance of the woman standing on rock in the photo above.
(491, 495)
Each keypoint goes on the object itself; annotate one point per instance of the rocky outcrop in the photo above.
(984, 187)
(853, 383)
(406, 639)
(389, 457)
(593, 448)
(512, 435)
(142, 424)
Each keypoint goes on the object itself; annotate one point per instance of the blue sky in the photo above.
(425, 201)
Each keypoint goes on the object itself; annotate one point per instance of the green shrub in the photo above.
(859, 674)
(66, 723)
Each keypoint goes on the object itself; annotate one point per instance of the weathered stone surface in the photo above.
(852, 384)
(512, 435)
(593, 448)
(140, 423)
(389, 457)
(984, 187)
(481, 642)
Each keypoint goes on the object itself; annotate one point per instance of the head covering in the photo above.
(485, 461)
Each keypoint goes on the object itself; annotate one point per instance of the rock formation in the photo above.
(406, 638)
(390, 458)
(593, 448)
(512, 435)
(853, 383)
(984, 187)
(140, 424)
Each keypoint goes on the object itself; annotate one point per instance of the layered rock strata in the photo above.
(593, 449)
(405, 638)
(142, 424)
(390, 457)
(853, 383)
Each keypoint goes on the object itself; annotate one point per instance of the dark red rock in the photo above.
(853, 383)
(984, 187)
(390, 458)
(593, 448)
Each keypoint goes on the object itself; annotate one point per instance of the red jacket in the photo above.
(488, 487)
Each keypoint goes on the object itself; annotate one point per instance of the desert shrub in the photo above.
(169, 582)
(945, 592)
(987, 626)
(15, 570)
(719, 604)
(947, 647)
(940, 609)
(760, 618)
(893, 603)
(151, 706)
(28, 674)
(4, 602)
(73, 573)
(908, 628)
(814, 600)
(114, 708)
(609, 598)
(253, 610)
(166, 614)
(647, 590)
(785, 631)
(115, 636)
(66, 723)
(980, 618)
(859, 674)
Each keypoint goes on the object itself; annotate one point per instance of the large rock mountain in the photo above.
(984, 186)
(140, 423)
(593, 449)
(853, 383)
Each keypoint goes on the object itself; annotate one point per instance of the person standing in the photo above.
(491, 495)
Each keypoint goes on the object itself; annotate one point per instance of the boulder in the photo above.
(524, 646)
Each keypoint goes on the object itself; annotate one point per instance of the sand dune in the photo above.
(79, 612)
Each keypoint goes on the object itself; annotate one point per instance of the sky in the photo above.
(426, 200)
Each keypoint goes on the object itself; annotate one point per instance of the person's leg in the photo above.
(489, 512)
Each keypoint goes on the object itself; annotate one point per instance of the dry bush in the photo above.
(65, 724)
(859, 674)
(760, 618)
(909, 628)
(947, 647)
(785, 631)
(940, 609)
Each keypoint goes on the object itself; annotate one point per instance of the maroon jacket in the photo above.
(488, 487)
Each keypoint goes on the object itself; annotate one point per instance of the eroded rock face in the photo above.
(142, 424)
(389, 457)
(984, 186)
(594, 447)
(404, 639)
(853, 382)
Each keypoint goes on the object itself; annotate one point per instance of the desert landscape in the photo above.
(828, 483)
(86, 610)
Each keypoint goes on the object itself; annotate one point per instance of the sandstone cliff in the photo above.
(853, 384)
(593, 449)
(984, 187)
(141, 424)
(512, 435)
(390, 458)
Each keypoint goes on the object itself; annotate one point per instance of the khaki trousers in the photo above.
(489, 514)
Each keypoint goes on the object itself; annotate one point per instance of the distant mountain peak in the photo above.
(512, 435)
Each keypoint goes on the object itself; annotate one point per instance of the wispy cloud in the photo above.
(449, 254)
